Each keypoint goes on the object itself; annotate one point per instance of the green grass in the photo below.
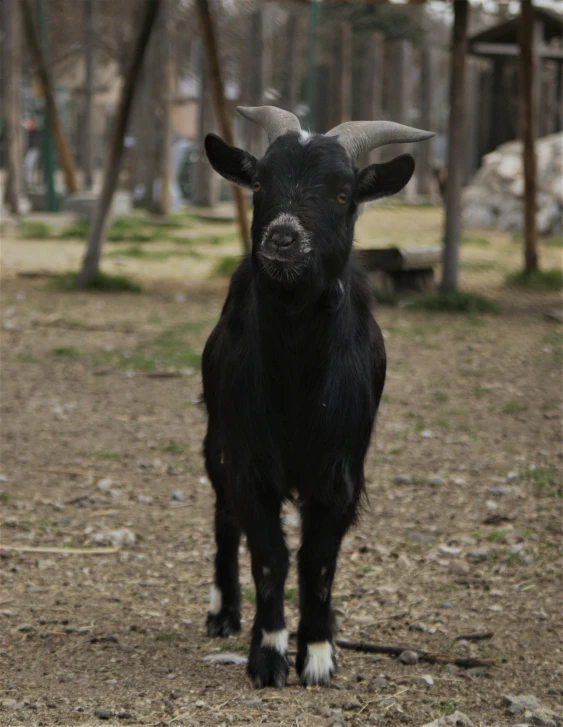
(454, 302)
(30, 230)
(69, 352)
(446, 707)
(76, 231)
(539, 280)
(548, 241)
(477, 241)
(167, 636)
(545, 481)
(4, 498)
(482, 390)
(496, 536)
(102, 282)
(105, 454)
(226, 266)
(174, 348)
(140, 253)
(172, 448)
(27, 358)
(514, 407)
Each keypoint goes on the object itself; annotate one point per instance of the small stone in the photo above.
(123, 714)
(200, 703)
(225, 659)
(426, 434)
(479, 554)
(418, 627)
(425, 680)
(457, 719)
(449, 550)
(24, 628)
(402, 480)
(146, 499)
(459, 568)
(478, 671)
(178, 496)
(452, 669)
(520, 703)
(436, 482)
(408, 657)
(446, 605)
(352, 704)
(500, 491)
(104, 485)
(491, 505)
(103, 713)
(9, 703)
(512, 476)
(117, 538)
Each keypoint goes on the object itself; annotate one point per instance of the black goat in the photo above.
(293, 373)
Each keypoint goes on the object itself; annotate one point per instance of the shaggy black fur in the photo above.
(293, 374)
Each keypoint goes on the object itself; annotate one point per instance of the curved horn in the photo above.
(274, 121)
(360, 137)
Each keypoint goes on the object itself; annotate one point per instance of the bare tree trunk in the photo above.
(88, 141)
(452, 233)
(91, 262)
(164, 93)
(63, 150)
(205, 187)
(11, 58)
(528, 117)
(221, 110)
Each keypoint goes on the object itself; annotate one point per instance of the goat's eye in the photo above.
(342, 198)
(256, 186)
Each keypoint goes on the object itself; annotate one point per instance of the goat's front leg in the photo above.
(267, 661)
(323, 527)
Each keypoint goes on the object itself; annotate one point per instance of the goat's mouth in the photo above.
(284, 267)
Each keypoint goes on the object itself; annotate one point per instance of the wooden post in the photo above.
(528, 114)
(91, 262)
(88, 138)
(220, 104)
(456, 135)
(424, 151)
(163, 99)
(11, 59)
(292, 76)
(63, 150)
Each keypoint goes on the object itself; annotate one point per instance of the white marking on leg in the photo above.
(215, 601)
(276, 640)
(319, 664)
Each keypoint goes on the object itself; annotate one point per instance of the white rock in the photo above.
(457, 719)
(117, 538)
(104, 485)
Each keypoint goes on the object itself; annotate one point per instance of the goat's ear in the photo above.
(383, 180)
(234, 164)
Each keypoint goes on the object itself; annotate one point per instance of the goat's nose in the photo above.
(283, 237)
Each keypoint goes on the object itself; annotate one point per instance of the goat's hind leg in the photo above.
(223, 616)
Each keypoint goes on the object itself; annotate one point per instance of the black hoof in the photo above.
(267, 667)
(224, 623)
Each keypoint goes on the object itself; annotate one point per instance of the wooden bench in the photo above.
(394, 270)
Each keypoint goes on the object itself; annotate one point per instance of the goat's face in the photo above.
(306, 197)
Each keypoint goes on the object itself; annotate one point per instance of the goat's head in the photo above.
(307, 190)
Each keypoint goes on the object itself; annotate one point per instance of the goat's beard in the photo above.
(286, 271)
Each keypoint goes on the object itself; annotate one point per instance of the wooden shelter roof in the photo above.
(507, 33)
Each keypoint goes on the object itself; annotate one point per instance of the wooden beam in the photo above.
(221, 109)
(544, 51)
(456, 134)
(528, 127)
(63, 150)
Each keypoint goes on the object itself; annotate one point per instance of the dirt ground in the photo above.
(101, 432)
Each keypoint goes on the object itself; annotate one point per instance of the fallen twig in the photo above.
(68, 551)
(475, 637)
(422, 655)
